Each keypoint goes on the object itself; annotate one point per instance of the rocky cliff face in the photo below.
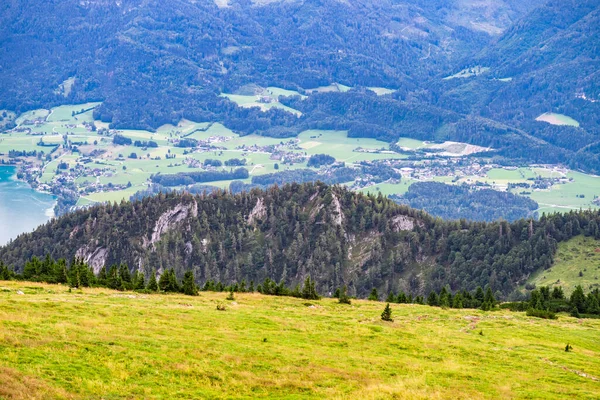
(336, 236)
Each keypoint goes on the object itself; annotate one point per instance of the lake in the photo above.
(22, 209)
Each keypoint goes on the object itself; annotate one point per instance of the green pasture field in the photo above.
(557, 119)
(98, 343)
(564, 198)
(63, 113)
(39, 114)
(275, 91)
(389, 188)
(381, 91)
(19, 142)
(252, 101)
(334, 87)
(338, 145)
(580, 254)
(410, 143)
(469, 72)
(113, 196)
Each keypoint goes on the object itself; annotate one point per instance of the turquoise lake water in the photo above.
(22, 209)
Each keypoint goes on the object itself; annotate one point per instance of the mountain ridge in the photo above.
(286, 233)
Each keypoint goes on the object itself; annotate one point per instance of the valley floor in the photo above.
(97, 343)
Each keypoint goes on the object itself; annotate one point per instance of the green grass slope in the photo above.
(580, 254)
(98, 343)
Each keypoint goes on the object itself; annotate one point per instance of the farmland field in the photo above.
(112, 164)
(61, 344)
(338, 145)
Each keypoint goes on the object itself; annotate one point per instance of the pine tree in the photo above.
(230, 296)
(102, 277)
(189, 285)
(490, 299)
(391, 298)
(457, 302)
(163, 281)
(374, 296)
(558, 293)
(479, 297)
(432, 299)
(443, 299)
(386, 315)
(591, 304)
(308, 290)
(578, 299)
(152, 283)
(62, 275)
(139, 281)
(343, 297)
(5, 273)
(401, 298)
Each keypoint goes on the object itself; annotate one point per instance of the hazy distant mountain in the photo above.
(136, 55)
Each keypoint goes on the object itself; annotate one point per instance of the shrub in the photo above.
(545, 314)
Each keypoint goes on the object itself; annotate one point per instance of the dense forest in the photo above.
(287, 233)
(152, 63)
(452, 202)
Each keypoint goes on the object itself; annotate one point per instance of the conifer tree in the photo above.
(401, 298)
(490, 299)
(308, 290)
(443, 299)
(189, 285)
(163, 282)
(374, 296)
(5, 274)
(386, 315)
(432, 299)
(62, 275)
(139, 281)
(102, 277)
(343, 297)
(558, 293)
(479, 296)
(230, 296)
(152, 283)
(591, 304)
(578, 299)
(457, 302)
(391, 298)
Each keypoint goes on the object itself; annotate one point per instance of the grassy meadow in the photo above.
(557, 119)
(98, 343)
(580, 254)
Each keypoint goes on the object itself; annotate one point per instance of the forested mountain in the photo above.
(153, 62)
(546, 62)
(334, 235)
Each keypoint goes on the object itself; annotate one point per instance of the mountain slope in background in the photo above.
(148, 57)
